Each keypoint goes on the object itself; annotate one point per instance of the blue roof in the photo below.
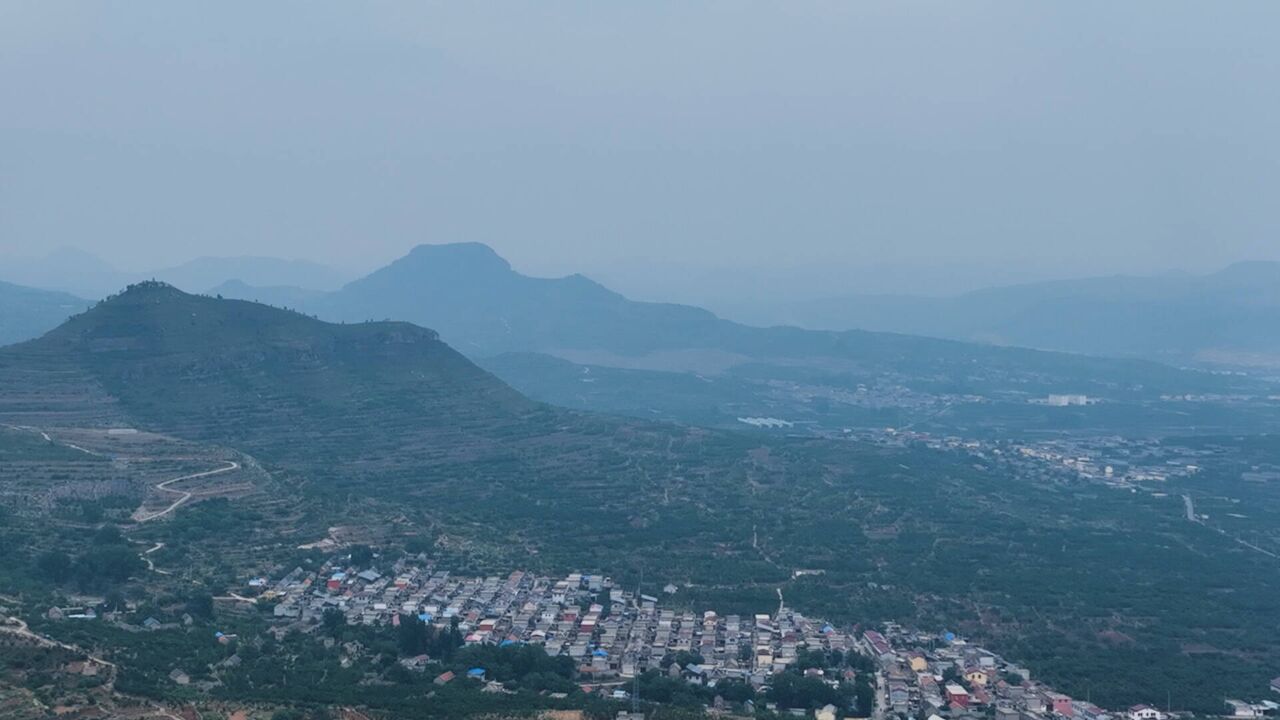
(601, 653)
(424, 617)
(476, 671)
(506, 642)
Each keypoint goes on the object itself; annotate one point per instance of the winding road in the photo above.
(183, 496)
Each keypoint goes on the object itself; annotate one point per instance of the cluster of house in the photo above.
(610, 632)
(926, 675)
(1111, 460)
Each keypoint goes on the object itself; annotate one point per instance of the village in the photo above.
(614, 634)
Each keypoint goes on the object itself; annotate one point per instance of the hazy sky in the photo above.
(628, 139)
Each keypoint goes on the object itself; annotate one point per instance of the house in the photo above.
(1059, 703)
(898, 693)
(918, 662)
(670, 589)
(1145, 712)
(1241, 710)
(180, 677)
(977, 676)
(826, 712)
(1275, 685)
(476, 673)
(1088, 711)
(957, 695)
(444, 677)
(151, 624)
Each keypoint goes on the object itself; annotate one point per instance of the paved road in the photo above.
(45, 436)
(16, 626)
(183, 496)
(882, 698)
(1191, 515)
(1190, 506)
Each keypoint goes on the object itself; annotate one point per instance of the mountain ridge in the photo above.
(827, 379)
(1180, 319)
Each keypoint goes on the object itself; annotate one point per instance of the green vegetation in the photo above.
(384, 431)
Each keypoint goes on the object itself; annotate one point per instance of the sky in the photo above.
(673, 149)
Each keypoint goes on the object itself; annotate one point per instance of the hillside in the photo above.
(27, 312)
(381, 432)
(1230, 317)
(231, 370)
(700, 368)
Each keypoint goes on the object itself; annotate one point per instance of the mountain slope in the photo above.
(27, 312)
(831, 379)
(1228, 317)
(484, 307)
(231, 371)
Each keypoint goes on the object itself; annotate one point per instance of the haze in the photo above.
(670, 149)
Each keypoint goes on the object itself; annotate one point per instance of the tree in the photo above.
(103, 566)
(200, 605)
(333, 621)
(55, 565)
(114, 600)
(361, 555)
(864, 696)
(411, 636)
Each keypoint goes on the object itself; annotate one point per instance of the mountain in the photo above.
(1231, 317)
(66, 269)
(825, 379)
(228, 371)
(27, 312)
(81, 273)
(379, 432)
(201, 274)
(282, 296)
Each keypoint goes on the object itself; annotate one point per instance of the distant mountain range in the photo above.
(83, 274)
(26, 312)
(1230, 317)
(513, 324)
(573, 342)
